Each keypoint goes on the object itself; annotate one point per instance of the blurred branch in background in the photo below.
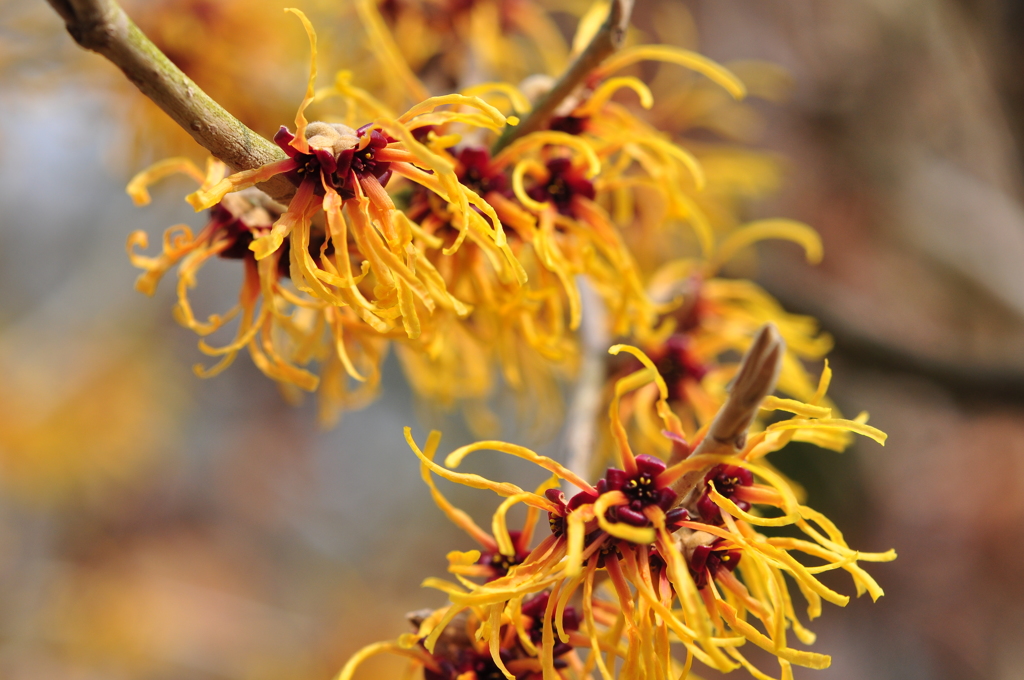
(905, 161)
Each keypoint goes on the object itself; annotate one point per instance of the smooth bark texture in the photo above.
(604, 43)
(754, 381)
(103, 27)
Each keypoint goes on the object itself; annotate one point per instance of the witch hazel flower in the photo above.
(342, 173)
(714, 320)
(282, 331)
(334, 276)
(675, 569)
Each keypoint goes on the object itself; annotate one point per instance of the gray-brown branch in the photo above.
(755, 380)
(604, 43)
(103, 27)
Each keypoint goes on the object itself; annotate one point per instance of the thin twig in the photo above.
(103, 27)
(604, 43)
(754, 381)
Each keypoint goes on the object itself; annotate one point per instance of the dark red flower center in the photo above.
(565, 182)
(727, 479)
(474, 170)
(535, 608)
(707, 561)
(239, 234)
(342, 171)
(641, 491)
(233, 228)
(502, 563)
(676, 363)
(556, 520)
(465, 660)
(571, 125)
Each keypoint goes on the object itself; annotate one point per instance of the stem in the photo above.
(103, 27)
(604, 43)
(754, 381)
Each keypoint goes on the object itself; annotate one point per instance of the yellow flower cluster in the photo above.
(658, 553)
(406, 230)
(439, 232)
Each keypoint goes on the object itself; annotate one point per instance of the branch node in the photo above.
(755, 380)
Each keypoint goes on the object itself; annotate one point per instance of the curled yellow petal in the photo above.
(300, 143)
(675, 55)
(499, 525)
(608, 88)
(536, 140)
(477, 482)
(138, 186)
(518, 100)
(773, 403)
(456, 457)
(207, 197)
(369, 651)
(520, 170)
(761, 230)
(730, 507)
(830, 424)
(626, 532)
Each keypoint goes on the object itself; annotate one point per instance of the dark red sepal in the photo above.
(650, 464)
(675, 517)
(615, 479)
(666, 498)
(283, 139)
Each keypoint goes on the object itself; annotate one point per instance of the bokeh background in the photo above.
(158, 526)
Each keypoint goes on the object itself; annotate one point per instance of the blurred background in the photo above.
(158, 526)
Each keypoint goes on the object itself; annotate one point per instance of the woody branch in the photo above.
(103, 27)
(755, 380)
(605, 42)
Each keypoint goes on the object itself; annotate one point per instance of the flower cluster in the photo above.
(406, 231)
(655, 554)
(436, 226)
